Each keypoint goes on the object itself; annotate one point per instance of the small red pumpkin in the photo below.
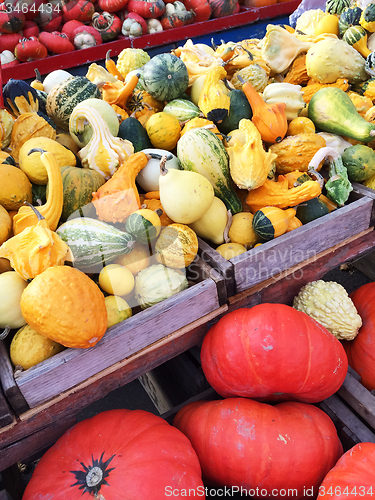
(30, 29)
(8, 41)
(148, 9)
(352, 477)
(114, 455)
(108, 25)
(69, 27)
(201, 8)
(243, 443)
(361, 350)
(50, 19)
(112, 5)
(30, 49)
(11, 21)
(56, 42)
(271, 352)
(85, 37)
(223, 8)
(81, 10)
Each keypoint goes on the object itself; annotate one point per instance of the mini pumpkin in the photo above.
(176, 246)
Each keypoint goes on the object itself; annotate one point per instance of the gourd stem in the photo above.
(159, 212)
(156, 156)
(5, 333)
(163, 168)
(213, 44)
(37, 75)
(36, 212)
(227, 226)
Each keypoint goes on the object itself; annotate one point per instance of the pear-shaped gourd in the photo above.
(211, 226)
(184, 195)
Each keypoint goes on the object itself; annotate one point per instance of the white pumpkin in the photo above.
(148, 177)
(55, 78)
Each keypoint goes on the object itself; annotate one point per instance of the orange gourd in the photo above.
(115, 200)
(270, 119)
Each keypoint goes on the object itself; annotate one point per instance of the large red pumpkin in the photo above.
(361, 350)
(353, 476)
(117, 454)
(272, 352)
(276, 451)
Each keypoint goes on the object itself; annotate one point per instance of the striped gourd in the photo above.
(63, 98)
(94, 243)
(165, 77)
(271, 222)
(337, 6)
(182, 109)
(349, 17)
(199, 150)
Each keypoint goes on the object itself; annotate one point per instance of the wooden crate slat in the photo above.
(301, 244)
(359, 398)
(10, 388)
(68, 368)
(369, 193)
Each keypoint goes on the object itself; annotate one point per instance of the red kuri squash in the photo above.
(276, 451)
(272, 352)
(115, 455)
(353, 476)
(361, 350)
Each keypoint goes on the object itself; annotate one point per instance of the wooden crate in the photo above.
(73, 366)
(303, 244)
(169, 398)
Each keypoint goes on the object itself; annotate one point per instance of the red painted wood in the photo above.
(85, 56)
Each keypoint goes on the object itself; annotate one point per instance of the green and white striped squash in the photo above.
(354, 34)
(64, 97)
(201, 151)
(165, 77)
(141, 228)
(337, 6)
(94, 243)
(349, 17)
(182, 109)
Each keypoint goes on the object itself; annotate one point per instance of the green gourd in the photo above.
(332, 110)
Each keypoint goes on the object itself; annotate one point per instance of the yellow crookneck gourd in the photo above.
(35, 249)
(104, 152)
(52, 209)
(249, 164)
(97, 74)
(278, 195)
(198, 62)
(213, 101)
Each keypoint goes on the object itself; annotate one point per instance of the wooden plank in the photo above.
(286, 285)
(369, 193)
(72, 366)
(10, 388)
(366, 265)
(306, 242)
(151, 385)
(344, 419)
(222, 266)
(359, 398)
(6, 414)
(68, 404)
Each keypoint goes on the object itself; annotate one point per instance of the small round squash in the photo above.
(176, 246)
(163, 130)
(11, 289)
(230, 250)
(301, 125)
(144, 225)
(136, 260)
(117, 309)
(15, 187)
(65, 305)
(241, 230)
(116, 280)
(28, 348)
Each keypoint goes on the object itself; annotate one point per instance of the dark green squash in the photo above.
(349, 17)
(311, 210)
(239, 109)
(20, 97)
(359, 161)
(132, 130)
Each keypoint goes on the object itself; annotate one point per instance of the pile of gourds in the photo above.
(217, 142)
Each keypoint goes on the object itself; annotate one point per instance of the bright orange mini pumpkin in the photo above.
(65, 305)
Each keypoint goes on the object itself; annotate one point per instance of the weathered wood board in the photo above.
(303, 244)
(72, 366)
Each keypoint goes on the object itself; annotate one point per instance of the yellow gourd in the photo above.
(136, 260)
(163, 130)
(15, 187)
(52, 209)
(230, 250)
(176, 246)
(242, 231)
(11, 289)
(301, 125)
(5, 224)
(213, 101)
